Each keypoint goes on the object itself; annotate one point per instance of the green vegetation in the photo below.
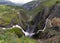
(8, 14)
(10, 37)
(27, 40)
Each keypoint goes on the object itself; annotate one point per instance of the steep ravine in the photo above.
(52, 31)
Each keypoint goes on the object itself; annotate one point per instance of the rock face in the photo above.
(55, 12)
(38, 22)
(55, 16)
(33, 4)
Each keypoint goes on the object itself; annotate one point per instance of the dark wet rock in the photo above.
(56, 28)
(55, 13)
(51, 12)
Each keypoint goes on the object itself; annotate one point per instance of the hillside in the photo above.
(32, 17)
(9, 15)
(37, 6)
(6, 2)
(49, 9)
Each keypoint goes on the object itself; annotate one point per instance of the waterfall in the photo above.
(26, 33)
(44, 27)
(30, 28)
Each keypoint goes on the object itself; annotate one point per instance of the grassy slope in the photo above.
(7, 13)
(10, 37)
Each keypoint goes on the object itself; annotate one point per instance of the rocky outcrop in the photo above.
(33, 4)
(39, 20)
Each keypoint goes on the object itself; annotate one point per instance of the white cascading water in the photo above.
(44, 27)
(26, 33)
